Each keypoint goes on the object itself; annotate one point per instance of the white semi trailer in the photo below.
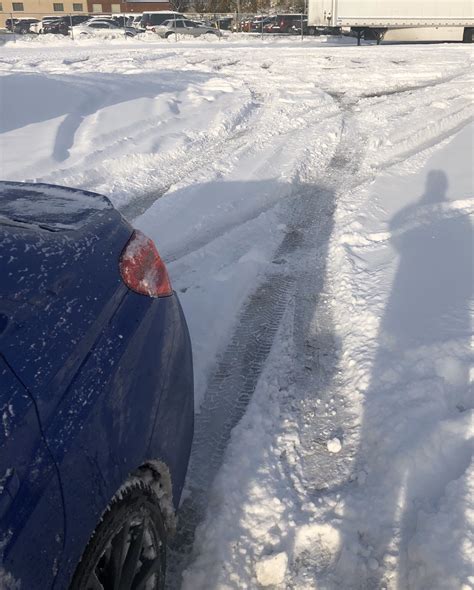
(396, 20)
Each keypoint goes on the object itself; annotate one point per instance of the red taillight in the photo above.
(142, 269)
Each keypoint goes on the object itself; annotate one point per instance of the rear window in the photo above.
(50, 207)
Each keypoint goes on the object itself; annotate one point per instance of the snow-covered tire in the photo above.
(129, 542)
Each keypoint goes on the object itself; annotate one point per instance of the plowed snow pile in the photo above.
(314, 203)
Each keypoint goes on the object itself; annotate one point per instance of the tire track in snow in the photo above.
(191, 157)
(233, 381)
(225, 228)
(320, 411)
(302, 256)
(228, 393)
(459, 123)
(230, 388)
(414, 87)
(314, 338)
(381, 157)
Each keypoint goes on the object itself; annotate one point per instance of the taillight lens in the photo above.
(142, 269)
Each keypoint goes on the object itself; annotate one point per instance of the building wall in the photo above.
(107, 6)
(40, 8)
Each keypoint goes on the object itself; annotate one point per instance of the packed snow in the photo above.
(313, 201)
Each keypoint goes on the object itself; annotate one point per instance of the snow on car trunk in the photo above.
(312, 202)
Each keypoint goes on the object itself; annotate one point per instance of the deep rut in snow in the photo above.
(299, 269)
(298, 276)
(229, 391)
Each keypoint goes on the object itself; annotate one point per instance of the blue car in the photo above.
(96, 395)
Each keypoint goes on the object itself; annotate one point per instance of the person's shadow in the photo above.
(419, 386)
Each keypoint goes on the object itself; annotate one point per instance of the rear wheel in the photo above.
(128, 548)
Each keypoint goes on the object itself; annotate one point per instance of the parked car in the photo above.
(103, 28)
(204, 22)
(242, 25)
(56, 27)
(259, 23)
(115, 19)
(224, 22)
(76, 19)
(38, 27)
(121, 20)
(20, 26)
(184, 27)
(96, 394)
(284, 23)
(9, 23)
(129, 17)
(62, 25)
(156, 18)
(253, 24)
(105, 19)
(135, 21)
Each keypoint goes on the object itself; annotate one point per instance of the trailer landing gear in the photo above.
(369, 34)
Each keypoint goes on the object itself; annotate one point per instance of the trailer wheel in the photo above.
(468, 36)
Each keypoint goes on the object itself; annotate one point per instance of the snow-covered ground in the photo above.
(313, 202)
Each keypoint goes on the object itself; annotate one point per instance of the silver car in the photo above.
(182, 26)
(103, 27)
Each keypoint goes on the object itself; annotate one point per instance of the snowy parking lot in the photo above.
(313, 201)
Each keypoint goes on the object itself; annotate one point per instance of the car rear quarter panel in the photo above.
(131, 402)
(110, 372)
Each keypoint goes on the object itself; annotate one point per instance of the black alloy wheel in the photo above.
(128, 548)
